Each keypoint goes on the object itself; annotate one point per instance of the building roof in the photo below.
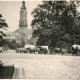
(18, 35)
(28, 31)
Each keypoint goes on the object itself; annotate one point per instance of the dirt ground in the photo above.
(39, 66)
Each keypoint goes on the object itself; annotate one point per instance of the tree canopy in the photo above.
(3, 24)
(56, 23)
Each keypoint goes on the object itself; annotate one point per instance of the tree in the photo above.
(55, 22)
(3, 24)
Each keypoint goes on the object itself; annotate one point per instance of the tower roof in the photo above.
(23, 5)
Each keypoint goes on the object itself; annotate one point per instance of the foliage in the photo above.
(11, 44)
(3, 24)
(56, 22)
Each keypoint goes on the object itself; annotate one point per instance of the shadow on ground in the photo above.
(6, 72)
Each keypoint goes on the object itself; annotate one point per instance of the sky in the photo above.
(10, 11)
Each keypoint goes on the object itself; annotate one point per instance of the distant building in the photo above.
(6, 35)
(9, 36)
(20, 36)
(23, 33)
(23, 22)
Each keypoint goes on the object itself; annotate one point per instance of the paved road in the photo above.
(39, 66)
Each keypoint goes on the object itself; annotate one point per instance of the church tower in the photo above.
(23, 16)
(23, 22)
